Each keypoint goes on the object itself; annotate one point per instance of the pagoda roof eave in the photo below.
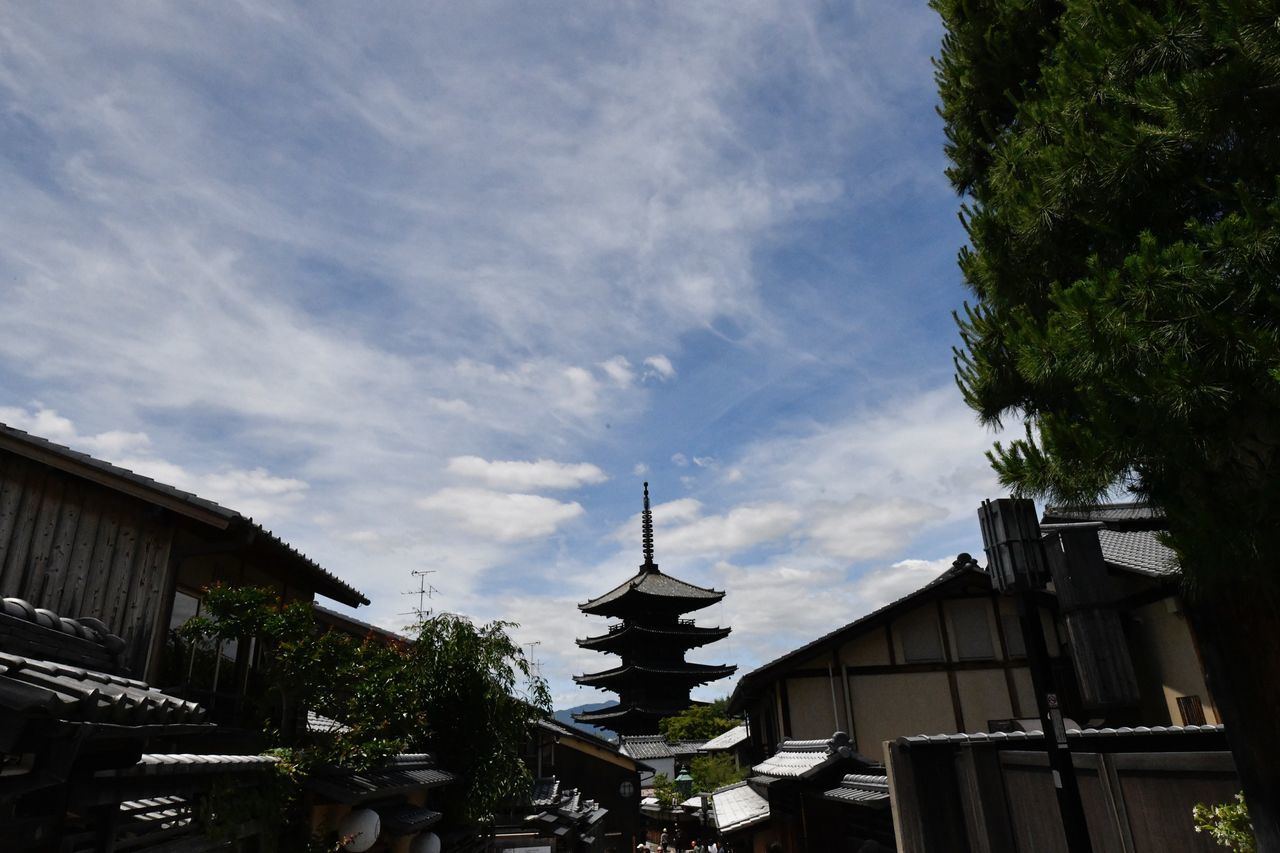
(693, 673)
(693, 636)
(626, 713)
(651, 587)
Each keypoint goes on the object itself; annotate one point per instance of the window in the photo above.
(1191, 710)
(921, 642)
(185, 605)
(972, 629)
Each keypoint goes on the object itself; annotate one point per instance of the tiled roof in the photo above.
(1138, 551)
(618, 711)
(175, 811)
(861, 788)
(545, 792)
(320, 724)
(352, 625)
(1116, 512)
(728, 740)
(655, 746)
(1010, 737)
(685, 672)
(657, 584)
(571, 812)
(40, 633)
(693, 634)
(551, 724)
(737, 807)
(162, 763)
(402, 774)
(41, 687)
(113, 476)
(406, 819)
(959, 569)
(794, 758)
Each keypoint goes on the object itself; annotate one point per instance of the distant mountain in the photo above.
(566, 716)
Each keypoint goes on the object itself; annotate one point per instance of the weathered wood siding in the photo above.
(80, 549)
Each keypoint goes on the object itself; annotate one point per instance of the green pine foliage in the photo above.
(698, 722)
(1120, 165)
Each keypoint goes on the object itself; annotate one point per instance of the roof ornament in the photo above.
(646, 534)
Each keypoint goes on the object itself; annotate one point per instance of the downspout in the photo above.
(835, 709)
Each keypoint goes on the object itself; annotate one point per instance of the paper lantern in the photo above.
(359, 830)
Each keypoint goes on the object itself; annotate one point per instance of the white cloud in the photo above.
(660, 367)
(619, 370)
(640, 469)
(881, 586)
(508, 517)
(517, 475)
(351, 275)
(867, 527)
(741, 528)
(680, 460)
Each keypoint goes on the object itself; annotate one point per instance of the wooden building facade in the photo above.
(948, 657)
(82, 537)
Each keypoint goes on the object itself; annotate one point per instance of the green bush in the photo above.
(1228, 824)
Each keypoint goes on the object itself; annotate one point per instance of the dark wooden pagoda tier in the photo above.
(654, 679)
(651, 676)
(683, 634)
(628, 717)
(650, 592)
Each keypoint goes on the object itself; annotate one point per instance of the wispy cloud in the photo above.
(516, 474)
(506, 516)
(382, 279)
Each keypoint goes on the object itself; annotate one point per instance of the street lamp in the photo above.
(684, 784)
(1017, 563)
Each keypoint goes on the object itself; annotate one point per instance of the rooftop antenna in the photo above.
(646, 534)
(424, 590)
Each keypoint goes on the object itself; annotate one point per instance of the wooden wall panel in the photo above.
(81, 549)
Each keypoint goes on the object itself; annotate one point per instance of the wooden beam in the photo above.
(951, 673)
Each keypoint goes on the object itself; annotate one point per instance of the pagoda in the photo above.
(654, 679)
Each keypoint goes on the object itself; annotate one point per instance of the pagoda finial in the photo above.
(646, 531)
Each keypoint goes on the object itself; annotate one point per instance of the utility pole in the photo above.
(1017, 563)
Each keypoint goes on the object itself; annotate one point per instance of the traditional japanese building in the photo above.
(654, 679)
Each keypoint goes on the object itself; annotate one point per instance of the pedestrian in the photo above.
(664, 839)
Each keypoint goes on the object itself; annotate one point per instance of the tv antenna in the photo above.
(424, 591)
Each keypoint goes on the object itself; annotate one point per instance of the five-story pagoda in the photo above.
(654, 679)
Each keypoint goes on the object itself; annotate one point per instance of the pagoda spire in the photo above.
(646, 534)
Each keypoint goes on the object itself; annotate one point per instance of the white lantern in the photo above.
(359, 830)
(426, 842)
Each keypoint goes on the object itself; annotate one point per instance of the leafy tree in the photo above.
(452, 691)
(698, 722)
(1119, 163)
(710, 772)
(664, 788)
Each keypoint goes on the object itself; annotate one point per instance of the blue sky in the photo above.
(437, 287)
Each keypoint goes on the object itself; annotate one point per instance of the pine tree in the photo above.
(1119, 163)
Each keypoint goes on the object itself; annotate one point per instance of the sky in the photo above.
(436, 287)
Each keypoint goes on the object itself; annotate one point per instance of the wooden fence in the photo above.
(995, 794)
